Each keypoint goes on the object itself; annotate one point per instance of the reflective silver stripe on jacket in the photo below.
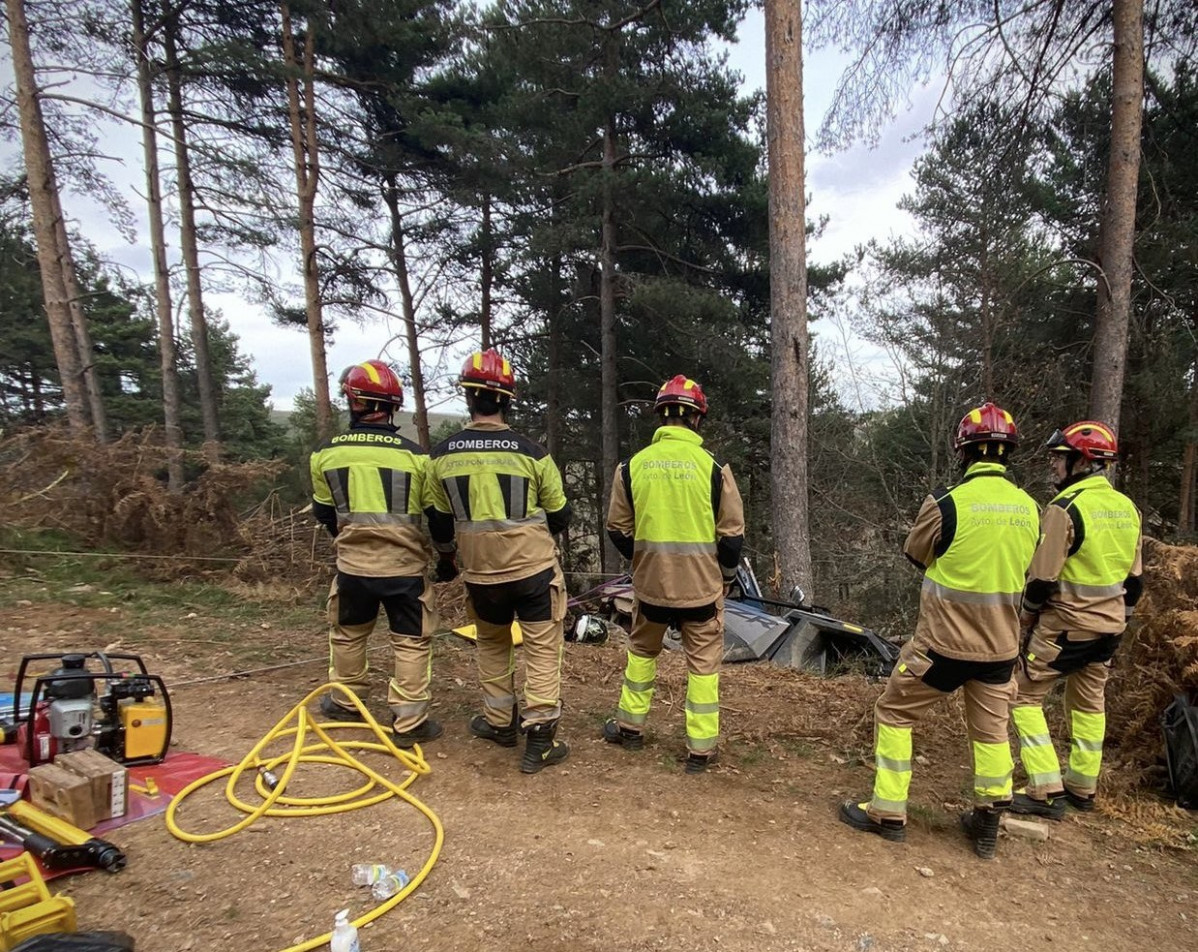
(455, 499)
(495, 525)
(518, 500)
(677, 548)
(971, 598)
(380, 518)
(338, 490)
(1092, 591)
(399, 489)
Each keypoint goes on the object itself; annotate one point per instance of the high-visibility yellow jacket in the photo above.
(496, 496)
(677, 513)
(974, 541)
(1085, 575)
(368, 489)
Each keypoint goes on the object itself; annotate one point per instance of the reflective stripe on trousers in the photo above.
(640, 678)
(702, 712)
(1036, 751)
(408, 693)
(892, 754)
(1085, 752)
(992, 772)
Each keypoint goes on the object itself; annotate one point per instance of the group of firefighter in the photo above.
(1011, 601)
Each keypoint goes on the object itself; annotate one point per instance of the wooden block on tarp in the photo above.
(109, 780)
(63, 794)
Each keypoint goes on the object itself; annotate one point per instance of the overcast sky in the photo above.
(856, 189)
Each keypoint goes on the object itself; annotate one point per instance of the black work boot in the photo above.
(336, 712)
(698, 763)
(981, 825)
(1051, 807)
(629, 739)
(503, 736)
(855, 815)
(422, 733)
(1079, 801)
(541, 750)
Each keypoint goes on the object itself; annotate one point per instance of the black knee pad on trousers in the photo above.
(1075, 655)
(530, 599)
(948, 674)
(359, 598)
(664, 615)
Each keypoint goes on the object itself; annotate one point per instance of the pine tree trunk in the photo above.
(608, 425)
(1189, 466)
(553, 396)
(187, 241)
(788, 292)
(39, 173)
(399, 261)
(83, 337)
(987, 316)
(1118, 225)
(162, 290)
(553, 399)
(307, 174)
(487, 277)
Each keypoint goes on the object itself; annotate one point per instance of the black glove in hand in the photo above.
(447, 569)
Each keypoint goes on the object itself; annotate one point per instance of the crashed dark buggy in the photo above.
(793, 635)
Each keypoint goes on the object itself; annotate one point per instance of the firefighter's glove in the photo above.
(447, 569)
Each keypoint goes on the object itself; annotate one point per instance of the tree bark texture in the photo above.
(1189, 466)
(1118, 225)
(83, 337)
(162, 289)
(487, 277)
(609, 424)
(788, 293)
(399, 261)
(307, 174)
(39, 173)
(553, 384)
(205, 383)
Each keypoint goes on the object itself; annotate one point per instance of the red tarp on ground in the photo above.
(171, 776)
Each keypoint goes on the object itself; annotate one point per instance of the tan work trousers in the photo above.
(1083, 659)
(988, 690)
(408, 693)
(702, 641)
(540, 605)
(1085, 686)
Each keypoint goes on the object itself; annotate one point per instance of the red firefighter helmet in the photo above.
(681, 391)
(488, 370)
(371, 381)
(1093, 440)
(988, 423)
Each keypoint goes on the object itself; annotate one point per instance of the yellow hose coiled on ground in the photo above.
(275, 803)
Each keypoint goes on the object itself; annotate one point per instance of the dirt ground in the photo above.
(611, 850)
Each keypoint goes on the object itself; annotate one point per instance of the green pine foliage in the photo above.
(125, 357)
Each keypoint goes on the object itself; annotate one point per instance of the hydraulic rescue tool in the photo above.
(123, 714)
(56, 843)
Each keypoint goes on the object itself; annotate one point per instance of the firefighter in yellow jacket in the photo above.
(677, 514)
(1082, 586)
(974, 542)
(368, 490)
(497, 502)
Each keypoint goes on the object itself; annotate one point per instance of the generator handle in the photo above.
(105, 658)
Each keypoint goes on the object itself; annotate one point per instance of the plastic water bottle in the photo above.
(389, 885)
(367, 874)
(345, 934)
